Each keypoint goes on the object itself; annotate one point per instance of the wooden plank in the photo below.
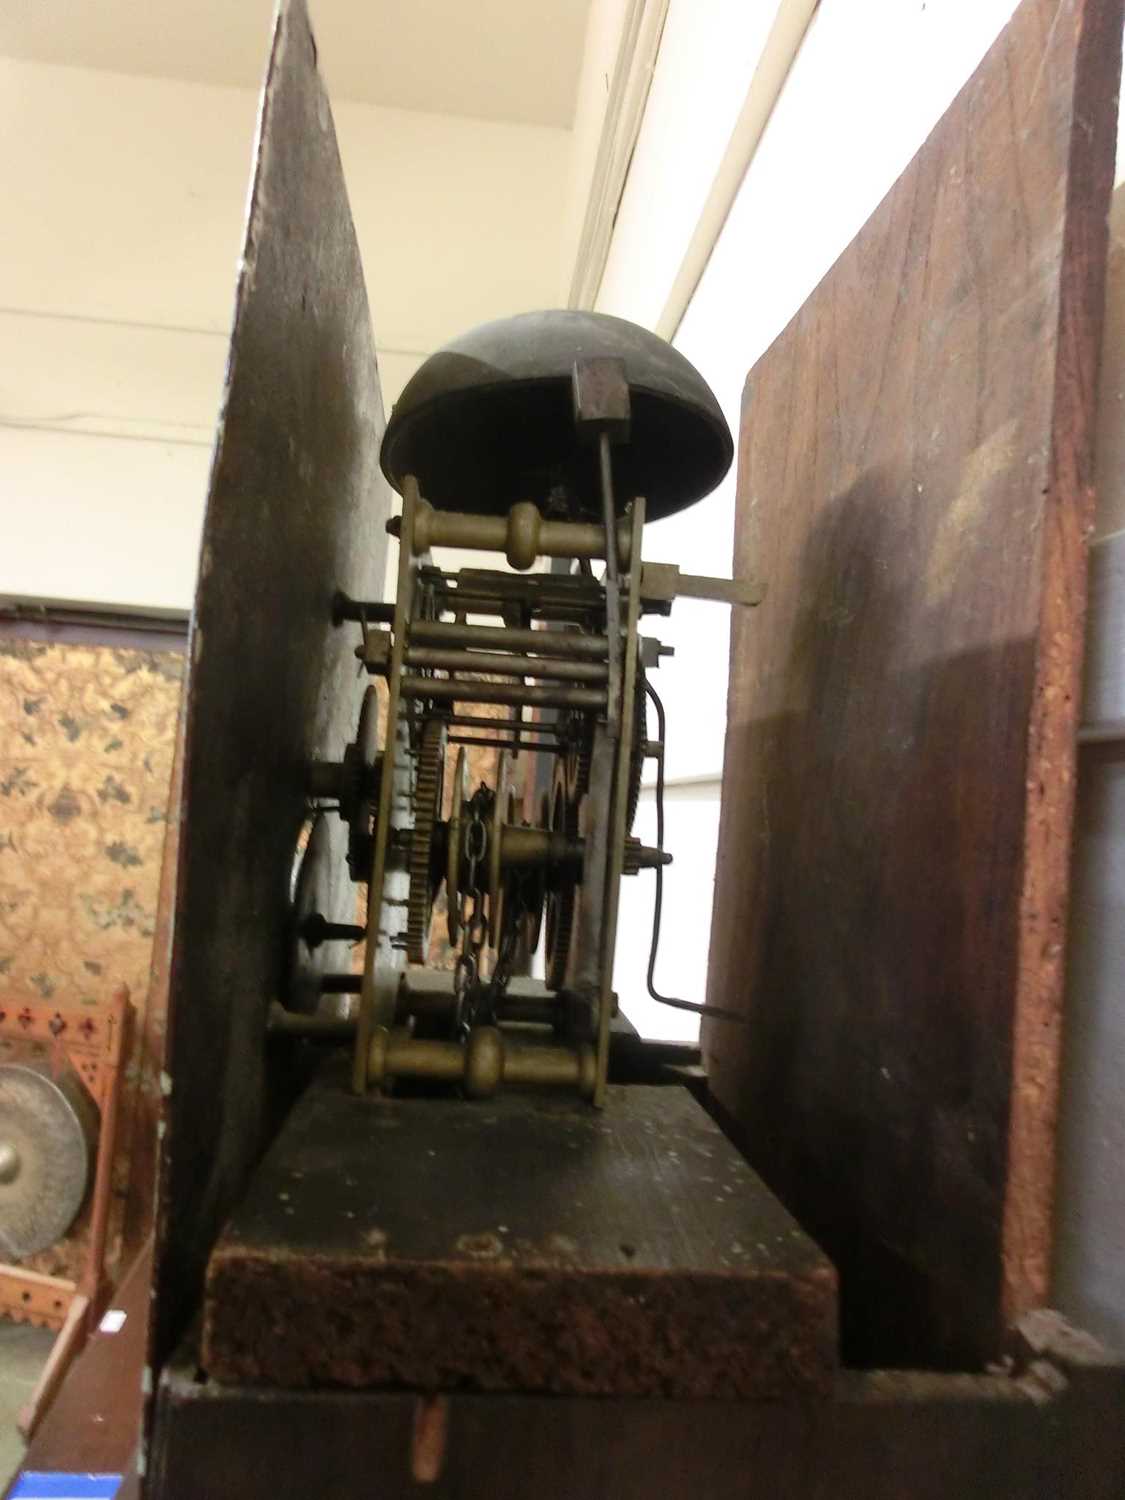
(295, 512)
(1049, 1427)
(93, 1425)
(150, 1037)
(915, 487)
(530, 1243)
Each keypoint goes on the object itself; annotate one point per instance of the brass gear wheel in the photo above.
(500, 807)
(362, 761)
(458, 814)
(427, 810)
(578, 757)
(637, 748)
(562, 894)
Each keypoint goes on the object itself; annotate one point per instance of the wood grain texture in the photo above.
(295, 511)
(528, 1243)
(151, 1034)
(93, 1425)
(915, 485)
(1050, 1427)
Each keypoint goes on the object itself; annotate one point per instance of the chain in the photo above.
(514, 908)
(466, 972)
(474, 1004)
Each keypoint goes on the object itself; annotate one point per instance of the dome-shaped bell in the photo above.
(488, 420)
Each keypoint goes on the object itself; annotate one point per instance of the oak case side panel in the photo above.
(295, 512)
(914, 485)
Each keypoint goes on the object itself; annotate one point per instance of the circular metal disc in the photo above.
(429, 779)
(321, 888)
(45, 1150)
(488, 420)
(363, 757)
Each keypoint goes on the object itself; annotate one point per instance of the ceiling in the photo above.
(496, 59)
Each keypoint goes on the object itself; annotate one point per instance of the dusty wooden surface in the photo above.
(295, 512)
(1048, 1427)
(915, 486)
(529, 1243)
(93, 1425)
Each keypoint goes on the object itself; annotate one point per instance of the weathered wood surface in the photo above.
(915, 486)
(1050, 1427)
(295, 512)
(151, 1036)
(93, 1425)
(529, 1243)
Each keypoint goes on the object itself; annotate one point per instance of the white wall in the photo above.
(124, 200)
(1089, 1266)
(691, 830)
(604, 25)
(871, 79)
(707, 45)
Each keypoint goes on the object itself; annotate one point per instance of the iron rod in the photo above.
(461, 690)
(559, 611)
(509, 744)
(612, 584)
(314, 1027)
(432, 658)
(341, 984)
(325, 780)
(610, 533)
(569, 644)
(316, 929)
(482, 721)
(373, 611)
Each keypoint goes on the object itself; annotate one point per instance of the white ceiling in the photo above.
(496, 59)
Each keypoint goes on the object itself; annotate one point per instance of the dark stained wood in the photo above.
(1050, 1428)
(93, 1425)
(150, 1046)
(915, 487)
(529, 1243)
(295, 512)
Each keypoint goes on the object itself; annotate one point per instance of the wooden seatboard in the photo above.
(295, 512)
(915, 488)
(1048, 1426)
(527, 1242)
